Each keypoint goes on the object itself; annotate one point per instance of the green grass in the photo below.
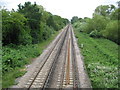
(101, 60)
(9, 77)
(14, 59)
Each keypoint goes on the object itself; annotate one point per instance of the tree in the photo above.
(14, 27)
(104, 10)
(74, 19)
(32, 13)
(111, 31)
(115, 15)
(29, 24)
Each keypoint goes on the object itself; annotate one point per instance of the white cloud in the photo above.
(64, 8)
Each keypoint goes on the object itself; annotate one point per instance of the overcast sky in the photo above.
(63, 8)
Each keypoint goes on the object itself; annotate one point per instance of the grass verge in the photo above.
(101, 60)
(14, 59)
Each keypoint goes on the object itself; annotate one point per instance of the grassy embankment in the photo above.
(101, 60)
(16, 57)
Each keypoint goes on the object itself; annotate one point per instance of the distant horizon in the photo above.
(67, 10)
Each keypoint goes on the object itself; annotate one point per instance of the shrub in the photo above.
(95, 34)
(111, 31)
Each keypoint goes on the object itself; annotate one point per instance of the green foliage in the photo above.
(65, 21)
(24, 37)
(104, 10)
(80, 26)
(89, 26)
(96, 23)
(95, 34)
(40, 21)
(32, 13)
(22, 31)
(15, 57)
(103, 24)
(47, 31)
(51, 23)
(30, 24)
(100, 22)
(111, 31)
(9, 78)
(115, 15)
(101, 60)
(74, 19)
(56, 22)
(13, 27)
(100, 54)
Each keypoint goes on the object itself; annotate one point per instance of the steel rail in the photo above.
(46, 58)
(47, 81)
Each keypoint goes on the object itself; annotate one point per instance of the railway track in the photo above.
(59, 66)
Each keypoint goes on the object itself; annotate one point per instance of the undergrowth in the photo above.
(14, 59)
(101, 60)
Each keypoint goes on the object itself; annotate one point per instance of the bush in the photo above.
(95, 34)
(96, 23)
(13, 27)
(25, 37)
(47, 32)
(111, 31)
(17, 56)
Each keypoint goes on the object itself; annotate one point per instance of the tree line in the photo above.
(103, 24)
(29, 24)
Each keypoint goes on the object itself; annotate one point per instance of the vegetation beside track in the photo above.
(99, 42)
(25, 33)
(101, 60)
(103, 24)
(15, 58)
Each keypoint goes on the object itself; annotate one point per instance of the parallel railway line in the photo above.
(59, 67)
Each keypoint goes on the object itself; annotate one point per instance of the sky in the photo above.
(64, 8)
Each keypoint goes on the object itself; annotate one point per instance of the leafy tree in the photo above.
(65, 21)
(74, 19)
(29, 24)
(115, 15)
(98, 23)
(111, 31)
(31, 12)
(13, 27)
(104, 23)
(50, 22)
(56, 22)
(104, 10)
(89, 26)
